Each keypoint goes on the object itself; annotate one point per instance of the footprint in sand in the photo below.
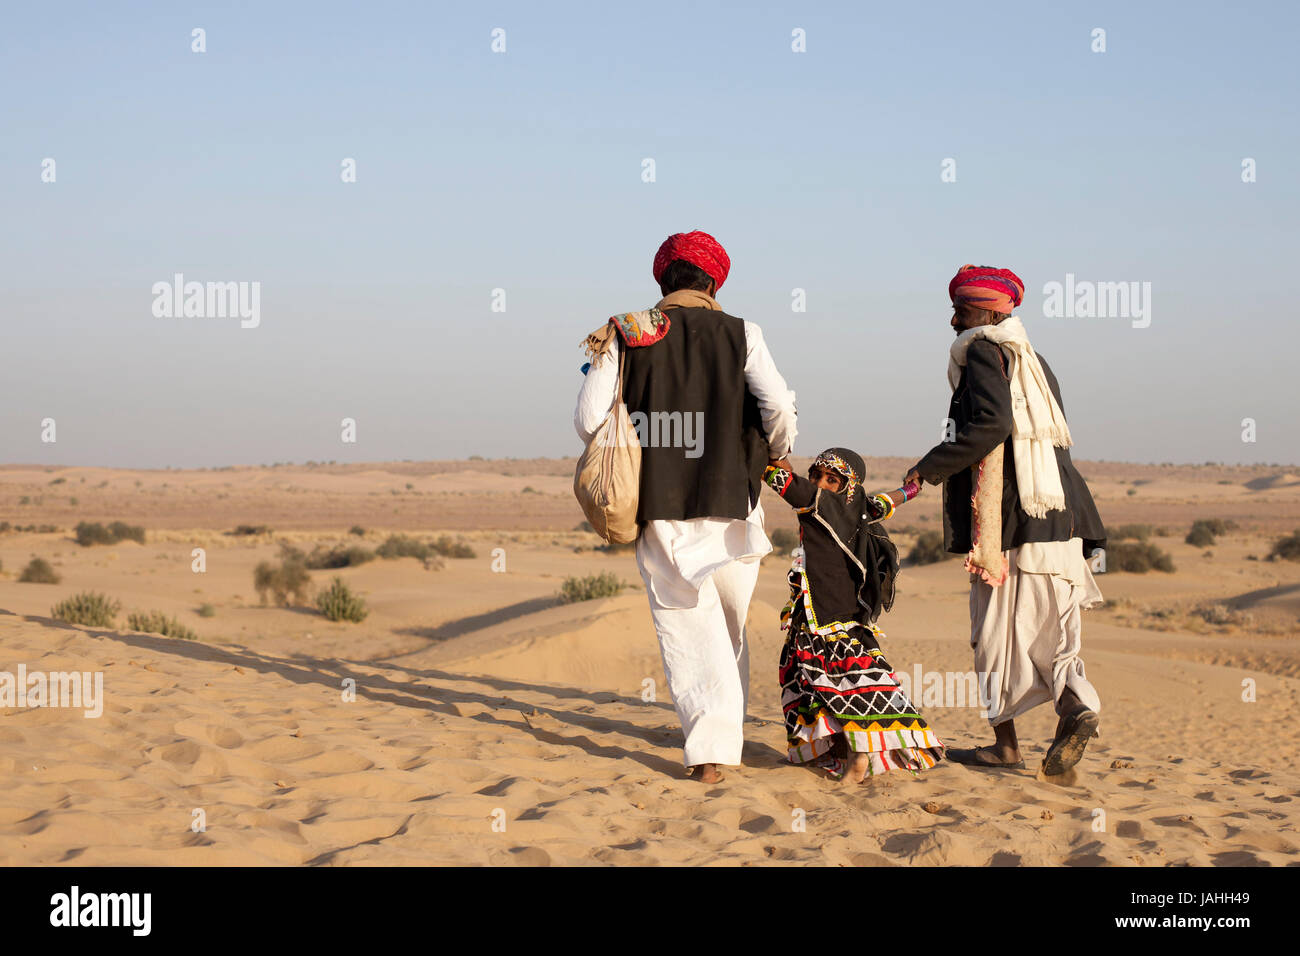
(183, 753)
(1129, 830)
(529, 856)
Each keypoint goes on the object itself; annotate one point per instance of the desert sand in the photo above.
(494, 725)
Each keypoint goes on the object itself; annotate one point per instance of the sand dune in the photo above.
(414, 770)
(494, 725)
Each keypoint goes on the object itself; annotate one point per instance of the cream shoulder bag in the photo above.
(607, 481)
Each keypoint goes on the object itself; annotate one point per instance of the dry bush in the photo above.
(589, 588)
(156, 622)
(39, 571)
(338, 603)
(89, 534)
(1288, 548)
(784, 540)
(89, 608)
(1137, 558)
(928, 549)
(288, 580)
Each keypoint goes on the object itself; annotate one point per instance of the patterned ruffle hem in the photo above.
(841, 684)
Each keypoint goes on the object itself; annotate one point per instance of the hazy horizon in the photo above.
(522, 170)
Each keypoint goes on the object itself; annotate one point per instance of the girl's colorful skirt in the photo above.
(841, 684)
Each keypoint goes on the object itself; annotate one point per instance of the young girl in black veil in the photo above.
(844, 709)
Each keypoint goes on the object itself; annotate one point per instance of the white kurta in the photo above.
(700, 574)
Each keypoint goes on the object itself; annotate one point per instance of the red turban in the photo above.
(699, 249)
(986, 288)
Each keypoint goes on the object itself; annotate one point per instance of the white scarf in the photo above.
(1037, 422)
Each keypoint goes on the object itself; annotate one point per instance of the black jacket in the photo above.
(691, 383)
(981, 411)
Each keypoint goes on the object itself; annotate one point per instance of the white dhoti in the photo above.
(1027, 633)
(699, 578)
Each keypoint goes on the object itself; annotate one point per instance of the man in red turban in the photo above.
(700, 250)
(711, 410)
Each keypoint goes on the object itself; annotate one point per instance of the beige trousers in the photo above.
(1027, 636)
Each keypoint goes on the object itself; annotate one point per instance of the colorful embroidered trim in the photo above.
(837, 464)
(844, 687)
(778, 479)
(640, 329)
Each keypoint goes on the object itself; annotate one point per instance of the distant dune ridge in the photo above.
(494, 725)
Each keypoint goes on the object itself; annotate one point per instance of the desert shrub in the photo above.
(1287, 548)
(1137, 558)
(246, 530)
(289, 579)
(58, 481)
(89, 608)
(359, 531)
(928, 549)
(88, 533)
(156, 622)
(39, 571)
(338, 557)
(1205, 530)
(785, 540)
(589, 588)
(1135, 532)
(5, 527)
(1221, 614)
(402, 546)
(338, 603)
(448, 548)
(581, 526)
(121, 531)
(207, 610)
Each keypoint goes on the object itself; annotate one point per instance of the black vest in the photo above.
(703, 449)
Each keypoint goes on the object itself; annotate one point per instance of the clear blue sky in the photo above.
(522, 170)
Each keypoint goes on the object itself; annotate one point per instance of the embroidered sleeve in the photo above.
(798, 492)
(880, 507)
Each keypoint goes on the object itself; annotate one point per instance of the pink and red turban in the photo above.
(699, 249)
(986, 288)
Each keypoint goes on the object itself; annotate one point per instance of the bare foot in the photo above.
(857, 769)
(707, 773)
(994, 756)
